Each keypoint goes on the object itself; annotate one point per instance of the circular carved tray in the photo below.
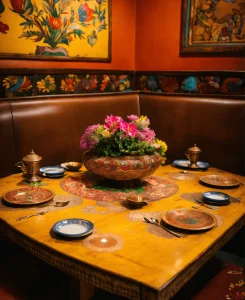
(28, 196)
(219, 181)
(189, 219)
(90, 187)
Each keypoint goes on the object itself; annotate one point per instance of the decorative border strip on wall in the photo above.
(28, 82)
(200, 83)
(48, 82)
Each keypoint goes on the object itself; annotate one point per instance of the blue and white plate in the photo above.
(52, 170)
(216, 198)
(73, 227)
(184, 163)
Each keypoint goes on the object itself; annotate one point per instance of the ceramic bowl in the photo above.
(216, 197)
(72, 165)
(136, 201)
(52, 170)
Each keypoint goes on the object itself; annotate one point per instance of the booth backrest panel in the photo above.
(53, 127)
(7, 148)
(217, 126)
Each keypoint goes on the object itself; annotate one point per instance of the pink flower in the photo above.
(112, 123)
(129, 128)
(133, 117)
(146, 134)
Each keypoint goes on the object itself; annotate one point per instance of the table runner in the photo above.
(91, 187)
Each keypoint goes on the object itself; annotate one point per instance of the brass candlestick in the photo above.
(193, 154)
(30, 166)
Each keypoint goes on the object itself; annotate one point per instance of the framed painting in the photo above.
(213, 27)
(56, 29)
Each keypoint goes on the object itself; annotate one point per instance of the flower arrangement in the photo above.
(118, 137)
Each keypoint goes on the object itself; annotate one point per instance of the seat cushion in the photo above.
(228, 284)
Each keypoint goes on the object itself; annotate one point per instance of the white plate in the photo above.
(216, 197)
(184, 163)
(73, 227)
(52, 170)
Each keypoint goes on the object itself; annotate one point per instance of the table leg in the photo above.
(86, 290)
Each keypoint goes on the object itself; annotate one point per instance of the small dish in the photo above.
(73, 227)
(216, 198)
(136, 201)
(52, 171)
(184, 163)
(72, 165)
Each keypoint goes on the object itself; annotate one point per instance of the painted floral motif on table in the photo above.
(53, 28)
(193, 84)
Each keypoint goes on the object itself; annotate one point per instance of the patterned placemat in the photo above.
(138, 216)
(90, 187)
(182, 176)
(106, 242)
(73, 201)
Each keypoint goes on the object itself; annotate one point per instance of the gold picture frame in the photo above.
(213, 28)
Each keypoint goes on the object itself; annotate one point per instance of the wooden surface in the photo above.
(147, 265)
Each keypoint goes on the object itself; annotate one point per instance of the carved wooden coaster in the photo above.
(106, 242)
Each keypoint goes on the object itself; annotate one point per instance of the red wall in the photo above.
(158, 36)
(123, 44)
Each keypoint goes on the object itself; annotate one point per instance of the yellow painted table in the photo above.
(147, 266)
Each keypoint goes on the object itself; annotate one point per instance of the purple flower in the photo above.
(89, 140)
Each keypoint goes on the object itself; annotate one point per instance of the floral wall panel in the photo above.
(13, 83)
(17, 85)
(78, 84)
(45, 85)
(55, 29)
(116, 83)
(230, 83)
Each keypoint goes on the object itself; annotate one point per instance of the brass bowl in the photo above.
(72, 165)
(136, 201)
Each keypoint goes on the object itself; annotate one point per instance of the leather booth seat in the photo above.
(52, 126)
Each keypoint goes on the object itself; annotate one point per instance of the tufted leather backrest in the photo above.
(217, 126)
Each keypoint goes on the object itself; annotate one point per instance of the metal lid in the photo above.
(32, 156)
(194, 149)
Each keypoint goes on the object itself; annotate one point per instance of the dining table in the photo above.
(123, 253)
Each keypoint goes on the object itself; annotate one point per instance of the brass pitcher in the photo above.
(29, 165)
(193, 154)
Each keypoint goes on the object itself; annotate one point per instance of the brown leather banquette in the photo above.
(52, 126)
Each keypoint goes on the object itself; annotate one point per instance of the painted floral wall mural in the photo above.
(76, 29)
